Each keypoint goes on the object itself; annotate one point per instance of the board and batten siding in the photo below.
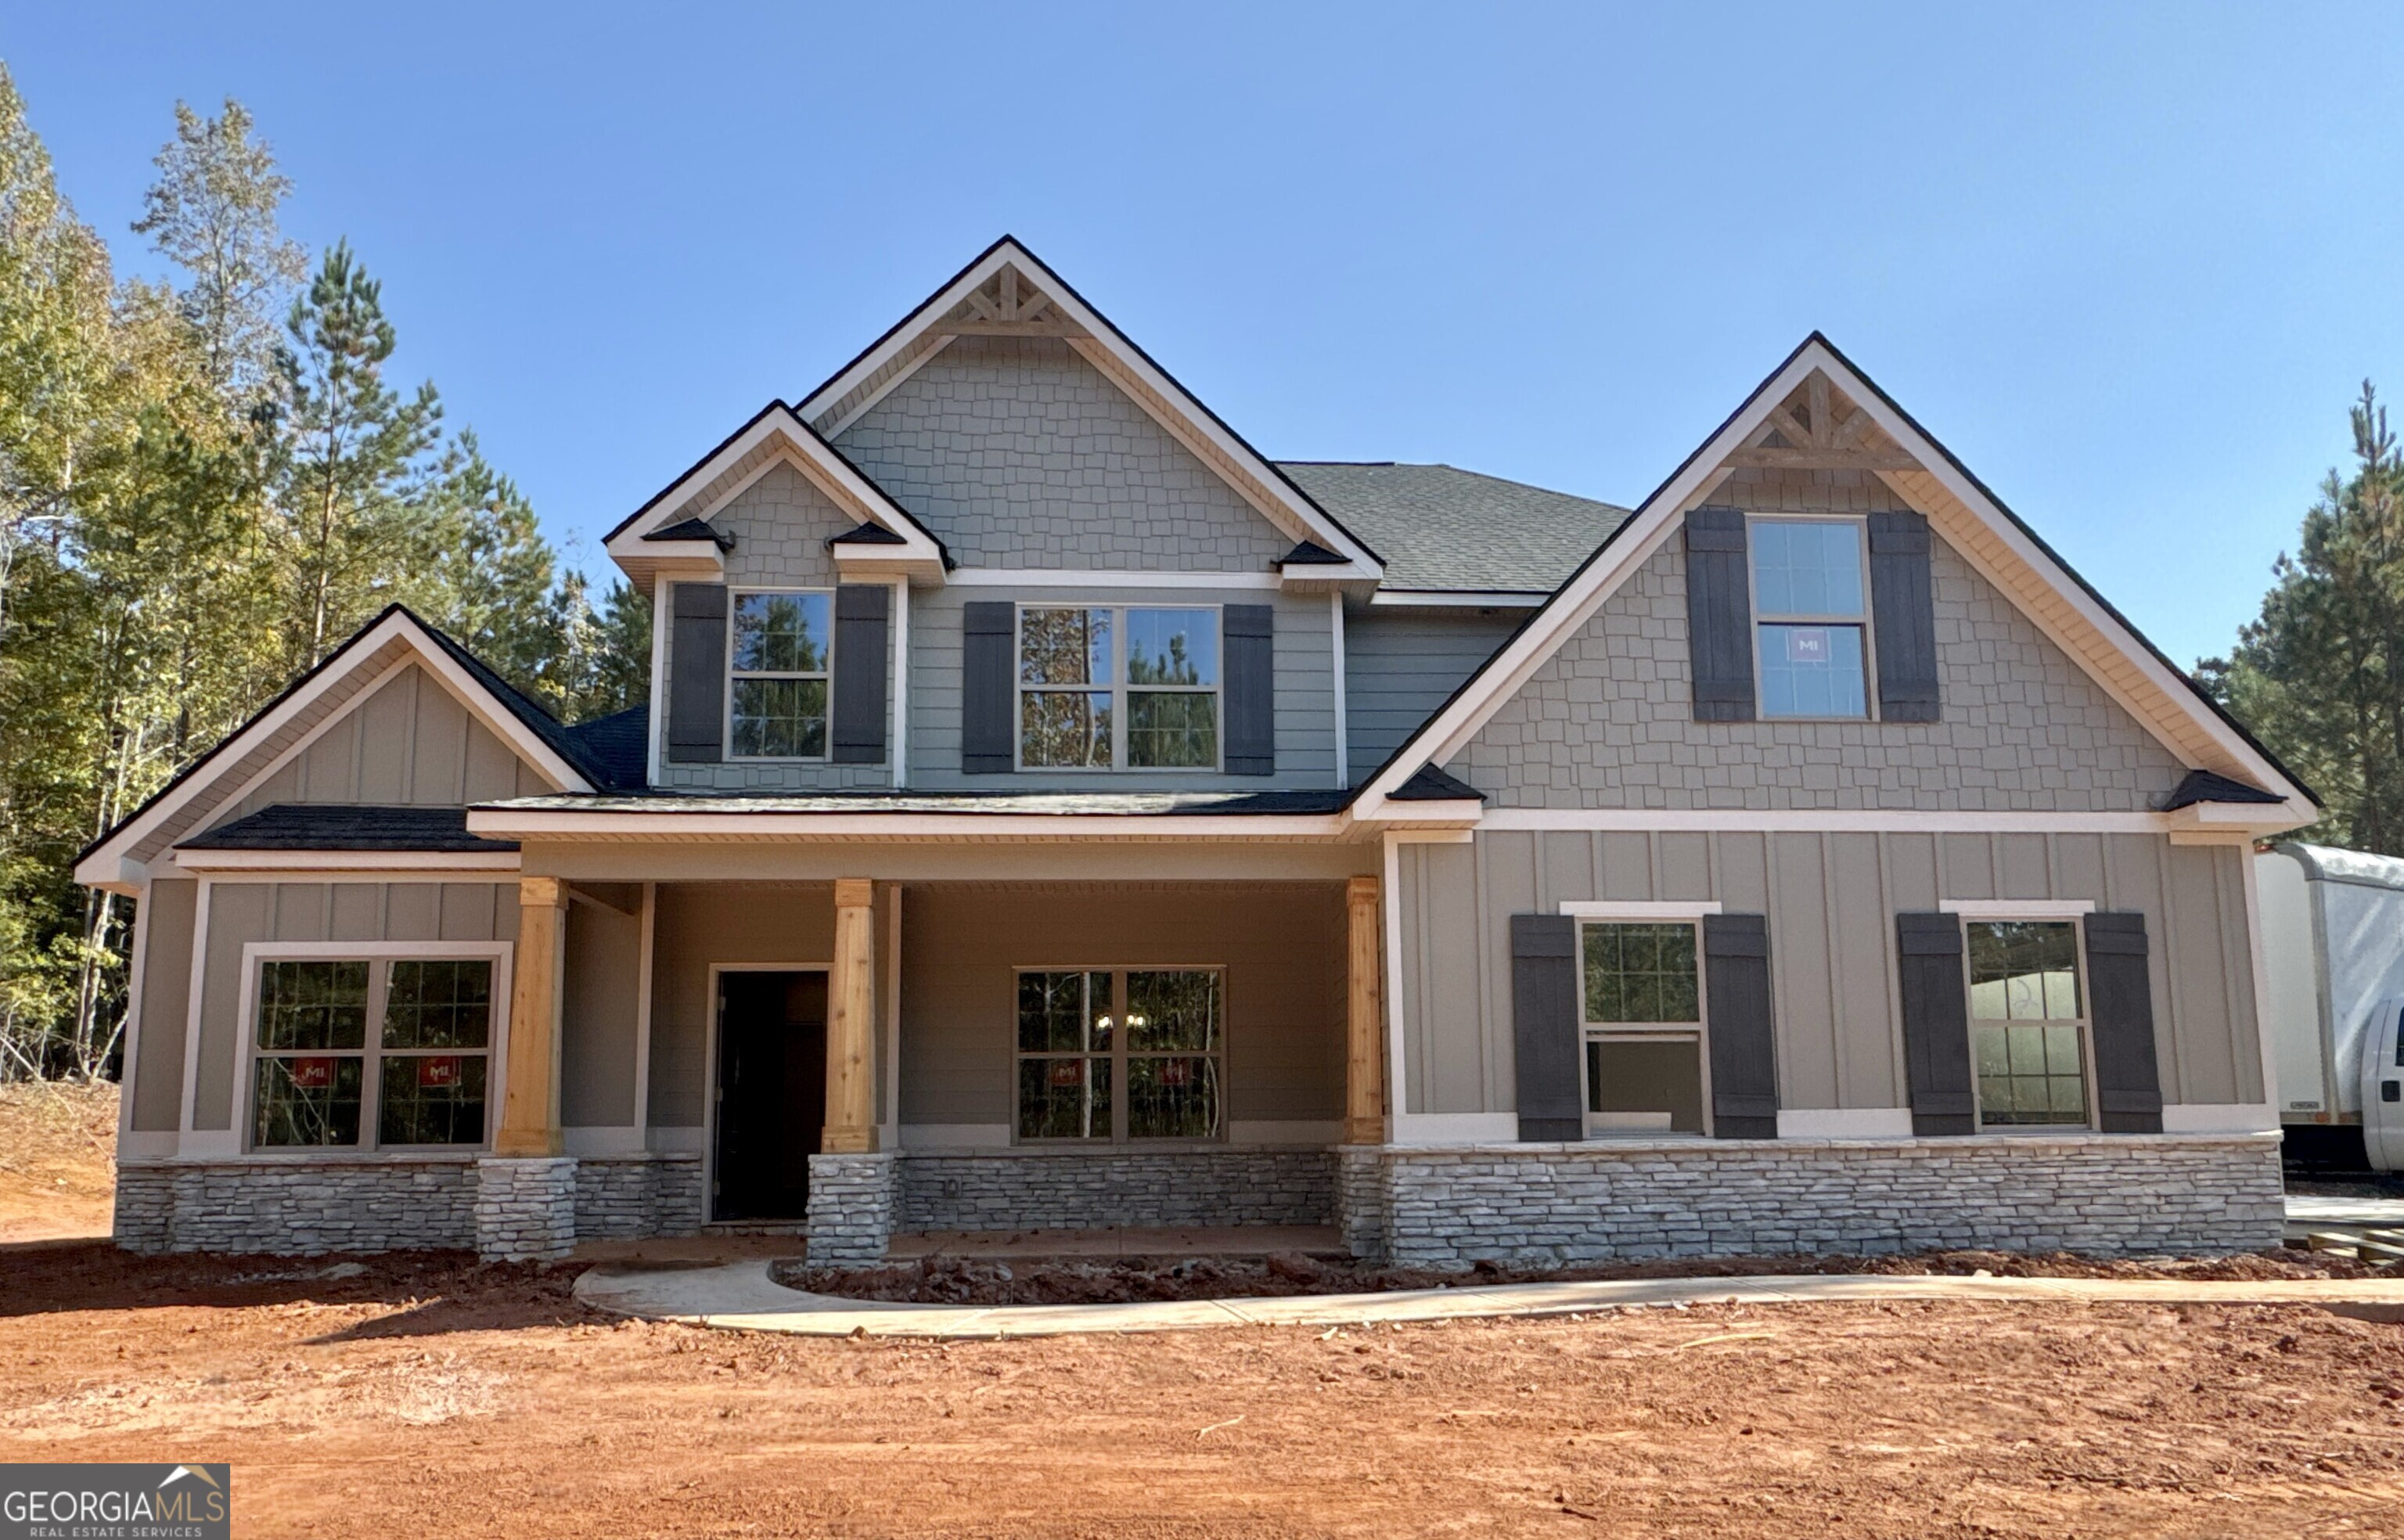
(1305, 674)
(408, 744)
(1401, 665)
(240, 913)
(1831, 900)
(780, 524)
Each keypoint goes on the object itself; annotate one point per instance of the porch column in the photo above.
(1364, 1090)
(851, 1022)
(530, 1105)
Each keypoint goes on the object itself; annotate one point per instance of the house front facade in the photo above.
(1050, 813)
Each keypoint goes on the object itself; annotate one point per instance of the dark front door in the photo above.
(771, 1093)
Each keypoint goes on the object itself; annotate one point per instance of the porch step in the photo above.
(1123, 1241)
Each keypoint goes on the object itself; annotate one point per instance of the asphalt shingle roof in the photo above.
(345, 826)
(1440, 527)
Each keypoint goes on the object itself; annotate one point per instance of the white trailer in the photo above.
(2333, 966)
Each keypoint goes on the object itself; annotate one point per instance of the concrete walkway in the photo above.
(741, 1296)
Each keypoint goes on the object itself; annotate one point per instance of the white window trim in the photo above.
(2047, 912)
(1698, 1032)
(1119, 689)
(734, 597)
(1118, 1056)
(1861, 526)
(371, 1080)
(2032, 909)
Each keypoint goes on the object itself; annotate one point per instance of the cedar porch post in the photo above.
(530, 1104)
(1364, 1097)
(851, 1022)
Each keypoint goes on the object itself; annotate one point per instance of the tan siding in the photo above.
(1831, 900)
(598, 1018)
(158, 1089)
(698, 925)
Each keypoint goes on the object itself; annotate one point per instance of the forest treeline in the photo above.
(206, 485)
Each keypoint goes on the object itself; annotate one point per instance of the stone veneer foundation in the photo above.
(2112, 1194)
(307, 1205)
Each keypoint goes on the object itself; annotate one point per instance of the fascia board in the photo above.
(861, 500)
(316, 863)
(100, 867)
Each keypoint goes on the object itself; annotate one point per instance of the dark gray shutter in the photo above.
(861, 611)
(1936, 1023)
(696, 674)
(1745, 1052)
(1544, 1027)
(2121, 1003)
(1903, 609)
(988, 698)
(1249, 637)
(1719, 614)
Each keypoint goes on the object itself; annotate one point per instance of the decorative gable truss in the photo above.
(1817, 411)
(1006, 292)
(123, 860)
(671, 536)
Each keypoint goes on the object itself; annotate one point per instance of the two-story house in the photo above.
(1051, 813)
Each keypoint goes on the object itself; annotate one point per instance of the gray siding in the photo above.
(1831, 900)
(1018, 452)
(1401, 665)
(1306, 691)
(791, 924)
(1282, 945)
(1607, 722)
(157, 1072)
(244, 912)
(780, 524)
(410, 744)
(599, 1025)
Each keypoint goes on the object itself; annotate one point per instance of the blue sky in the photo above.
(2131, 263)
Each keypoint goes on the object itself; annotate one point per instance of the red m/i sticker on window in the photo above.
(1176, 1072)
(434, 1074)
(1067, 1071)
(311, 1075)
(1806, 644)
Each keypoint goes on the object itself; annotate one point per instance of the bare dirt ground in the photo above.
(57, 1145)
(427, 1397)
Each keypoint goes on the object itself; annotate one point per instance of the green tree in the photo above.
(351, 457)
(2319, 674)
(212, 212)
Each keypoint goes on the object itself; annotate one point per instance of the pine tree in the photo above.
(2319, 674)
(354, 448)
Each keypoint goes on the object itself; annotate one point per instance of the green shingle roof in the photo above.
(1440, 527)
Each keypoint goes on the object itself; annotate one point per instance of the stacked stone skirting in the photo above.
(1550, 1204)
(525, 1208)
(311, 1205)
(851, 1207)
(1053, 1189)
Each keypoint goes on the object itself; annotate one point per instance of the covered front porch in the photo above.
(939, 1055)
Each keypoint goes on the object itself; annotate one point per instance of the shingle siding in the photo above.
(1018, 452)
(1608, 722)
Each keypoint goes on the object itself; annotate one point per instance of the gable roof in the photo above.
(644, 542)
(1441, 528)
(958, 308)
(2004, 549)
(292, 720)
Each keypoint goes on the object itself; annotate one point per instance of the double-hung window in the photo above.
(2027, 1023)
(1811, 613)
(1126, 688)
(782, 660)
(358, 1052)
(1643, 1011)
(1121, 1053)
